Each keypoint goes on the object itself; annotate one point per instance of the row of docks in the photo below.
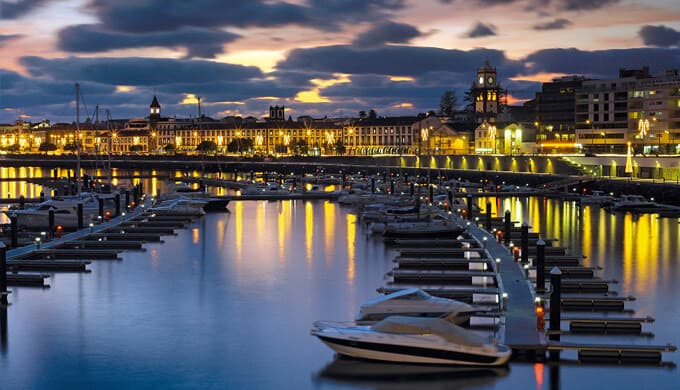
(31, 265)
(535, 292)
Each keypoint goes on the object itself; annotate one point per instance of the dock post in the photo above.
(488, 216)
(391, 187)
(413, 188)
(508, 227)
(252, 176)
(135, 194)
(15, 228)
(469, 206)
(555, 303)
(101, 207)
(525, 243)
(50, 221)
(80, 216)
(22, 202)
(450, 197)
(373, 185)
(117, 200)
(405, 177)
(127, 198)
(430, 194)
(42, 196)
(540, 266)
(3, 274)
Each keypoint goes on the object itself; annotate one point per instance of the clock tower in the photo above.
(485, 90)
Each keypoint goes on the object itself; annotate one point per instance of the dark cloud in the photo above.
(600, 63)
(162, 15)
(540, 5)
(481, 30)
(6, 37)
(661, 36)
(17, 9)
(88, 38)
(137, 71)
(581, 5)
(393, 60)
(556, 24)
(388, 32)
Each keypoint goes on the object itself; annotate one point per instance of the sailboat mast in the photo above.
(77, 175)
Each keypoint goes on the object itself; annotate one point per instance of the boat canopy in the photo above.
(441, 327)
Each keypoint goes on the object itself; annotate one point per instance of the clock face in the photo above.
(481, 79)
(489, 80)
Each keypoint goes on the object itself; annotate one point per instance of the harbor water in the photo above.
(228, 303)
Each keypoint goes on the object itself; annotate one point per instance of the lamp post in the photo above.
(592, 136)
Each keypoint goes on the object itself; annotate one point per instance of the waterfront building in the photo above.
(486, 92)
(555, 115)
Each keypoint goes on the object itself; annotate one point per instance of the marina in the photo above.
(477, 269)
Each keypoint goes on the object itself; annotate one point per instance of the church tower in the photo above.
(277, 114)
(154, 110)
(486, 91)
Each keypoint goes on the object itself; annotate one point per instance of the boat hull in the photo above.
(410, 354)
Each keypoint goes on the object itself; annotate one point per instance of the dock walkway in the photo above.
(519, 306)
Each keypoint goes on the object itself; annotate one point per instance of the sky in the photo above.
(317, 57)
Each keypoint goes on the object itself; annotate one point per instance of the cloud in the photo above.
(600, 63)
(162, 15)
(198, 42)
(540, 6)
(581, 5)
(556, 24)
(481, 30)
(137, 71)
(390, 60)
(661, 36)
(6, 37)
(17, 9)
(388, 32)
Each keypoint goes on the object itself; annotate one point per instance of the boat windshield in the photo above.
(418, 295)
(421, 326)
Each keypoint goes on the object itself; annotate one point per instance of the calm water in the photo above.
(228, 303)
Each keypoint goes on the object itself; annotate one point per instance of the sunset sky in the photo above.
(316, 57)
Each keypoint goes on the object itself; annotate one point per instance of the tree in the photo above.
(469, 98)
(70, 147)
(448, 103)
(372, 114)
(207, 146)
(339, 147)
(299, 147)
(362, 114)
(240, 145)
(280, 149)
(47, 147)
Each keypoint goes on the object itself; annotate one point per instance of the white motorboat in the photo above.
(65, 213)
(596, 197)
(181, 207)
(412, 340)
(633, 203)
(418, 303)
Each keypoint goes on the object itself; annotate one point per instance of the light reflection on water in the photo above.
(228, 303)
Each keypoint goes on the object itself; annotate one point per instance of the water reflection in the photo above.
(378, 375)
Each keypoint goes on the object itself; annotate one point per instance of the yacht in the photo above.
(412, 340)
(633, 203)
(189, 207)
(415, 302)
(65, 212)
(597, 198)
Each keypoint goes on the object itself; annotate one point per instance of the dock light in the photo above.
(59, 230)
(91, 227)
(505, 300)
(498, 260)
(132, 204)
(515, 252)
(37, 242)
(540, 314)
(122, 215)
(107, 215)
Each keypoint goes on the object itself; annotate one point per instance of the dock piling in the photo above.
(15, 230)
(127, 198)
(540, 266)
(508, 228)
(3, 274)
(469, 206)
(42, 196)
(525, 243)
(101, 208)
(80, 215)
(430, 194)
(488, 216)
(50, 220)
(555, 302)
(22, 202)
(117, 201)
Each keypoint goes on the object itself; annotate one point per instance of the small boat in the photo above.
(633, 203)
(412, 340)
(65, 212)
(434, 228)
(180, 206)
(418, 303)
(597, 198)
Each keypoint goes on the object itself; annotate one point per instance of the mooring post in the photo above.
(555, 303)
(135, 194)
(508, 226)
(101, 207)
(127, 198)
(405, 177)
(450, 197)
(3, 274)
(15, 230)
(22, 202)
(431, 194)
(525, 243)
(540, 266)
(413, 188)
(80, 216)
(488, 216)
(50, 221)
(252, 176)
(42, 196)
(117, 200)
(373, 185)
(469, 206)
(391, 187)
